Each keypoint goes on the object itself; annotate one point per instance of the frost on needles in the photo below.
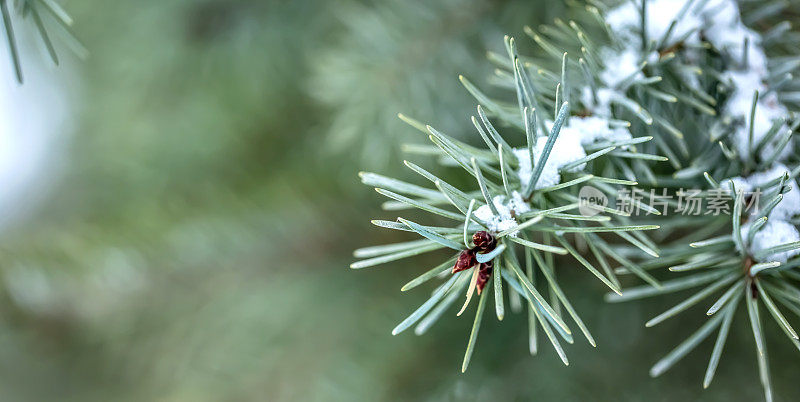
(663, 95)
(526, 176)
(743, 148)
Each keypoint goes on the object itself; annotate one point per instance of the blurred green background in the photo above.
(199, 211)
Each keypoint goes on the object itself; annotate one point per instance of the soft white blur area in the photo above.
(35, 119)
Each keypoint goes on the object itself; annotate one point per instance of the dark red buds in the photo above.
(484, 274)
(466, 260)
(484, 241)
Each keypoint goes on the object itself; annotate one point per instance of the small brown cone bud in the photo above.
(484, 241)
(484, 274)
(466, 260)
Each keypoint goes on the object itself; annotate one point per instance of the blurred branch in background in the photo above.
(36, 119)
(404, 57)
(46, 17)
(175, 181)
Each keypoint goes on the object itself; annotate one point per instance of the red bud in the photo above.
(466, 260)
